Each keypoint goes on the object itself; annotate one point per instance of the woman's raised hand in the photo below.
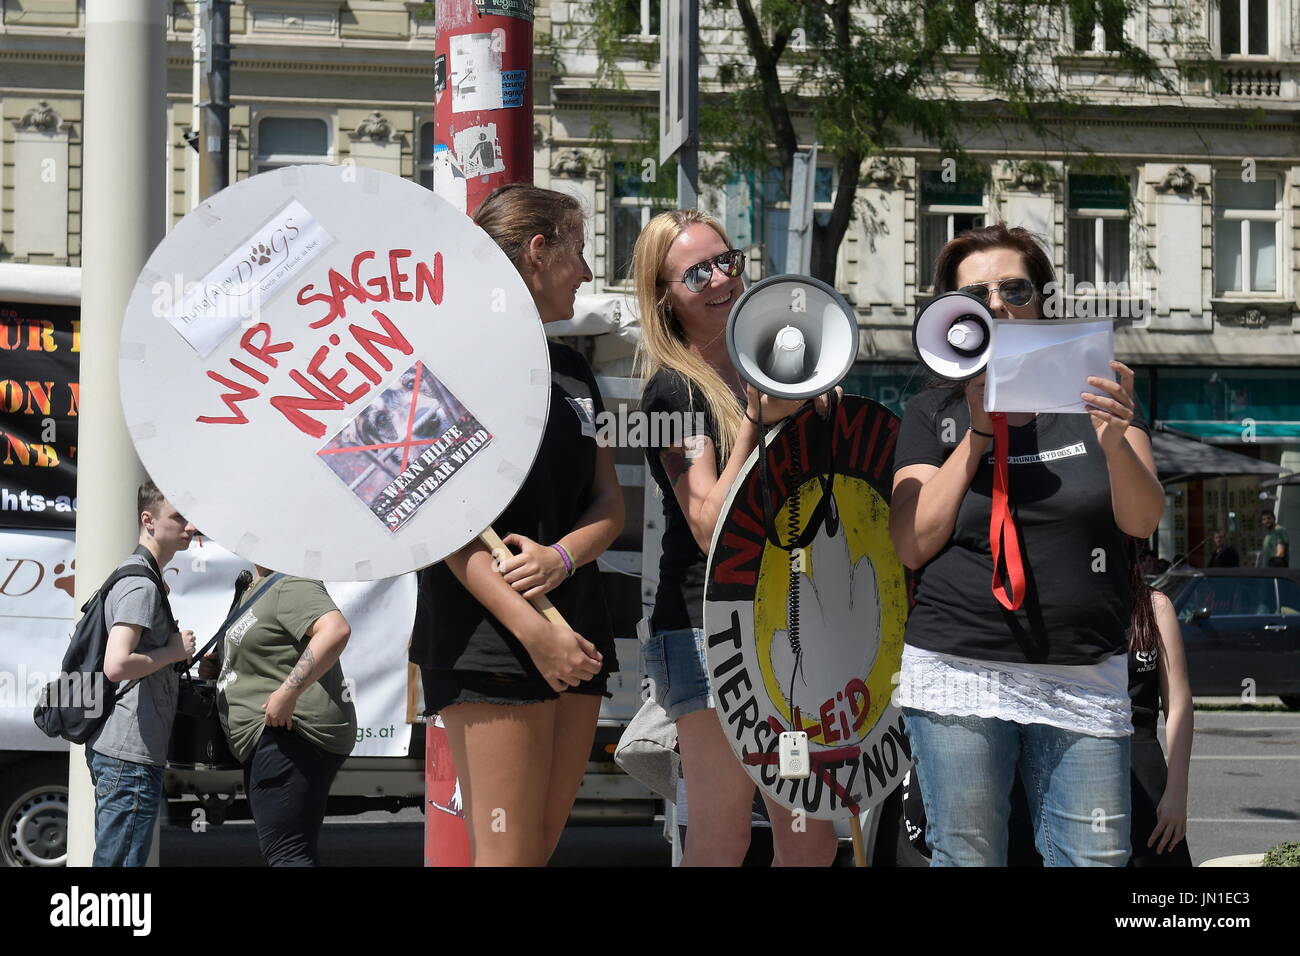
(979, 419)
(776, 409)
(1113, 407)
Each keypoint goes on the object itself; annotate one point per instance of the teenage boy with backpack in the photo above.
(128, 752)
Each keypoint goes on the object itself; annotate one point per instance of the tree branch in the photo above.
(765, 64)
(827, 239)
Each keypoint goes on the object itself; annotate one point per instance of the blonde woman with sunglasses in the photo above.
(687, 277)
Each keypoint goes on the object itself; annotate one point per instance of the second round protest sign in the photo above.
(811, 639)
(334, 373)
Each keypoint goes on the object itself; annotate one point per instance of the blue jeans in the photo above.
(676, 664)
(127, 797)
(1078, 790)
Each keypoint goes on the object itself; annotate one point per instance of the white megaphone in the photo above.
(953, 335)
(792, 336)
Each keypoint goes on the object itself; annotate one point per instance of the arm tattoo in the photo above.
(302, 670)
(675, 461)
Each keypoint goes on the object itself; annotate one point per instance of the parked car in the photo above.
(1241, 628)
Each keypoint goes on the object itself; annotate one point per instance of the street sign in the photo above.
(798, 254)
(679, 54)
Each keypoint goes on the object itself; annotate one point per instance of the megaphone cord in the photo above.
(826, 512)
(796, 648)
(792, 524)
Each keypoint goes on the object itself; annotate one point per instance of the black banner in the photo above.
(40, 351)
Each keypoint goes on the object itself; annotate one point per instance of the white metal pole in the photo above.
(196, 96)
(123, 208)
(688, 169)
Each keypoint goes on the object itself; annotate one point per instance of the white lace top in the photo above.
(1088, 699)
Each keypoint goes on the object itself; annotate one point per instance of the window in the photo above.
(635, 202)
(1247, 227)
(776, 214)
(290, 140)
(1232, 597)
(1098, 243)
(424, 157)
(639, 17)
(1288, 593)
(947, 210)
(1098, 31)
(1243, 27)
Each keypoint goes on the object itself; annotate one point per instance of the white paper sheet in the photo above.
(1042, 365)
(475, 73)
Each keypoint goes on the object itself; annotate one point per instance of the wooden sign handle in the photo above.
(541, 602)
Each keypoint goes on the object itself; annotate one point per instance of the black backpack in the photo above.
(77, 702)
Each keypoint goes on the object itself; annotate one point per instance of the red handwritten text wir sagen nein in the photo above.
(326, 389)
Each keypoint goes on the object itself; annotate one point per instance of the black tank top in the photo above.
(1144, 691)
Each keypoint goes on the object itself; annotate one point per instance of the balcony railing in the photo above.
(1251, 81)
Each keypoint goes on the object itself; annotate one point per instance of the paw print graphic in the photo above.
(68, 582)
(261, 255)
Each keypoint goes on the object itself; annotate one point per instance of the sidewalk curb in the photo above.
(1243, 859)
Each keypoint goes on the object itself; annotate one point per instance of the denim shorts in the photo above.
(442, 688)
(675, 663)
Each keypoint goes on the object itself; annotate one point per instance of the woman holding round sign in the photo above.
(687, 277)
(519, 695)
(993, 680)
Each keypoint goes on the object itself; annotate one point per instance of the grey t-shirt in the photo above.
(141, 722)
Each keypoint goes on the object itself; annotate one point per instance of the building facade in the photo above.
(1191, 240)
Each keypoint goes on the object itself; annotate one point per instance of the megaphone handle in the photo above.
(548, 610)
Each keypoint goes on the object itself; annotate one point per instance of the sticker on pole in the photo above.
(360, 404)
(810, 638)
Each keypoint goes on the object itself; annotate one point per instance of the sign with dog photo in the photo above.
(405, 445)
(323, 430)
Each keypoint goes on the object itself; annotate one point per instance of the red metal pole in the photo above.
(483, 98)
(446, 838)
(483, 138)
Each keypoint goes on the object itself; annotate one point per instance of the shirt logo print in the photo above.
(241, 627)
(1069, 451)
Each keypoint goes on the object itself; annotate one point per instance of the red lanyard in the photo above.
(1002, 529)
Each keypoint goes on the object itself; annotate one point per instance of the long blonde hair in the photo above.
(663, 343)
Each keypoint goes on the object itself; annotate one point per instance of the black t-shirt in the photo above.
(453, 631)
(1078, 598)
(679, 599)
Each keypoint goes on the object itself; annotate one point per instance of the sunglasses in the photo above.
(1012, 291)
(730, 263)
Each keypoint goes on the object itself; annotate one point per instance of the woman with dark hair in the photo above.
(1043, 688)
(1157, 668)
(519, 695)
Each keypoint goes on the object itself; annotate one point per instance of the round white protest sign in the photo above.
(811, 639)
(334, 373)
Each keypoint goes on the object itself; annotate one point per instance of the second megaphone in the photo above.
(953, 335)
(792, 336)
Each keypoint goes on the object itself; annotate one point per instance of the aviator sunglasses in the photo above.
(696, 278)
(1013, 291)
